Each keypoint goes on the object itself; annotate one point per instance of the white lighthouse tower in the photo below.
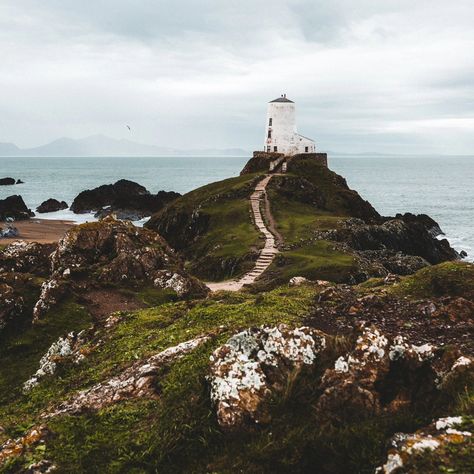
(280, 133)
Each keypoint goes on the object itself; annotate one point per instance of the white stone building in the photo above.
(280, 131)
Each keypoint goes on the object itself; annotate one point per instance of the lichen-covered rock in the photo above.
(65, 348)
(26, 257)
(439, 447)
(113, 251)
(298, 281)
(255, 363)
(136, 381)
(379, 375)
(51, 293)
(14, 448)
(11, 304)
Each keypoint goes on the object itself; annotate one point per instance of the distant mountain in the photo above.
(100, 145)
(8, 149)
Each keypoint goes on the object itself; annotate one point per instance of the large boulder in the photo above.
(124, 198)
(14, 208)
(255, 364)
(51, 205)
(7, 181)
(105, 195)
(114, 252)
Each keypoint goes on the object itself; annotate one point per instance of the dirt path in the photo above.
(268, 252)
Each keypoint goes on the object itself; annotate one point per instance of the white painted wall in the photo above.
(280, 130)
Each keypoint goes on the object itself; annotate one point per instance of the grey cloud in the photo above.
(358, 70)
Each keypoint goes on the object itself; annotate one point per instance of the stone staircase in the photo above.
(268, 252)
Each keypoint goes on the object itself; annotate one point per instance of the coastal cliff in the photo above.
(353, 351)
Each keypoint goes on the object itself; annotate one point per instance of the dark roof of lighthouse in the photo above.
(282, 99)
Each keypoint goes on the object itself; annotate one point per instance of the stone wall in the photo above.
(321, 158)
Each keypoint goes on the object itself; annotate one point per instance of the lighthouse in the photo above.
(281, 135)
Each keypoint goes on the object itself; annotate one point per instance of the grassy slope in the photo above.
(297, 221)
(449, 278)
(178, 431)
(224, 250)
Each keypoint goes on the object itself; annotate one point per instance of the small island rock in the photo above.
(51, 205)
(14, 208)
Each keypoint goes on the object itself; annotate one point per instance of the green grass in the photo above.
(318, 260)
(178, 431)
(445, 279)
(224, 242)
(21, 348)
(144, 434)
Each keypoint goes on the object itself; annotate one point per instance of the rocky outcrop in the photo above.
(409, 234)
(377, 375)
(255, 364)
(65, 348)
(14, 208)
(260, 162)
(105, 195)
(11, 304)
(51, 205)
(26, 257)
(124, 198)
(361, 384)
(113, 251)
(7, 181)
(439, 447)
(137, 381)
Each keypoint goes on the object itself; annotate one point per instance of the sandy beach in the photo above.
(43, 231)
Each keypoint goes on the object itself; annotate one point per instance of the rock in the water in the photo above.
(123, 198)
(7, 181)
(14, 208)
(19, 181)
(51, 205)
(254, 364)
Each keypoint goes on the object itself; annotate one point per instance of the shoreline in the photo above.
(42, 231)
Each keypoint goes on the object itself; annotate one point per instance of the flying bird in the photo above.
(128, 126)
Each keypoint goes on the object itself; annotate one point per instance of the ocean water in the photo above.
(442, 187)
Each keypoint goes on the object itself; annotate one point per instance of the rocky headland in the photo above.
(352, 351)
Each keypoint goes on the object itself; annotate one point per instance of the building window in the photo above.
(270, 120)
(268, 149)
(269, 134)
(306, 149)
(275, 149)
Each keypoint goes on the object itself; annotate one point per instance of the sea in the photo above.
(440, 186)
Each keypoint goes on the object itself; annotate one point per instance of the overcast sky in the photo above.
(366, 75)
